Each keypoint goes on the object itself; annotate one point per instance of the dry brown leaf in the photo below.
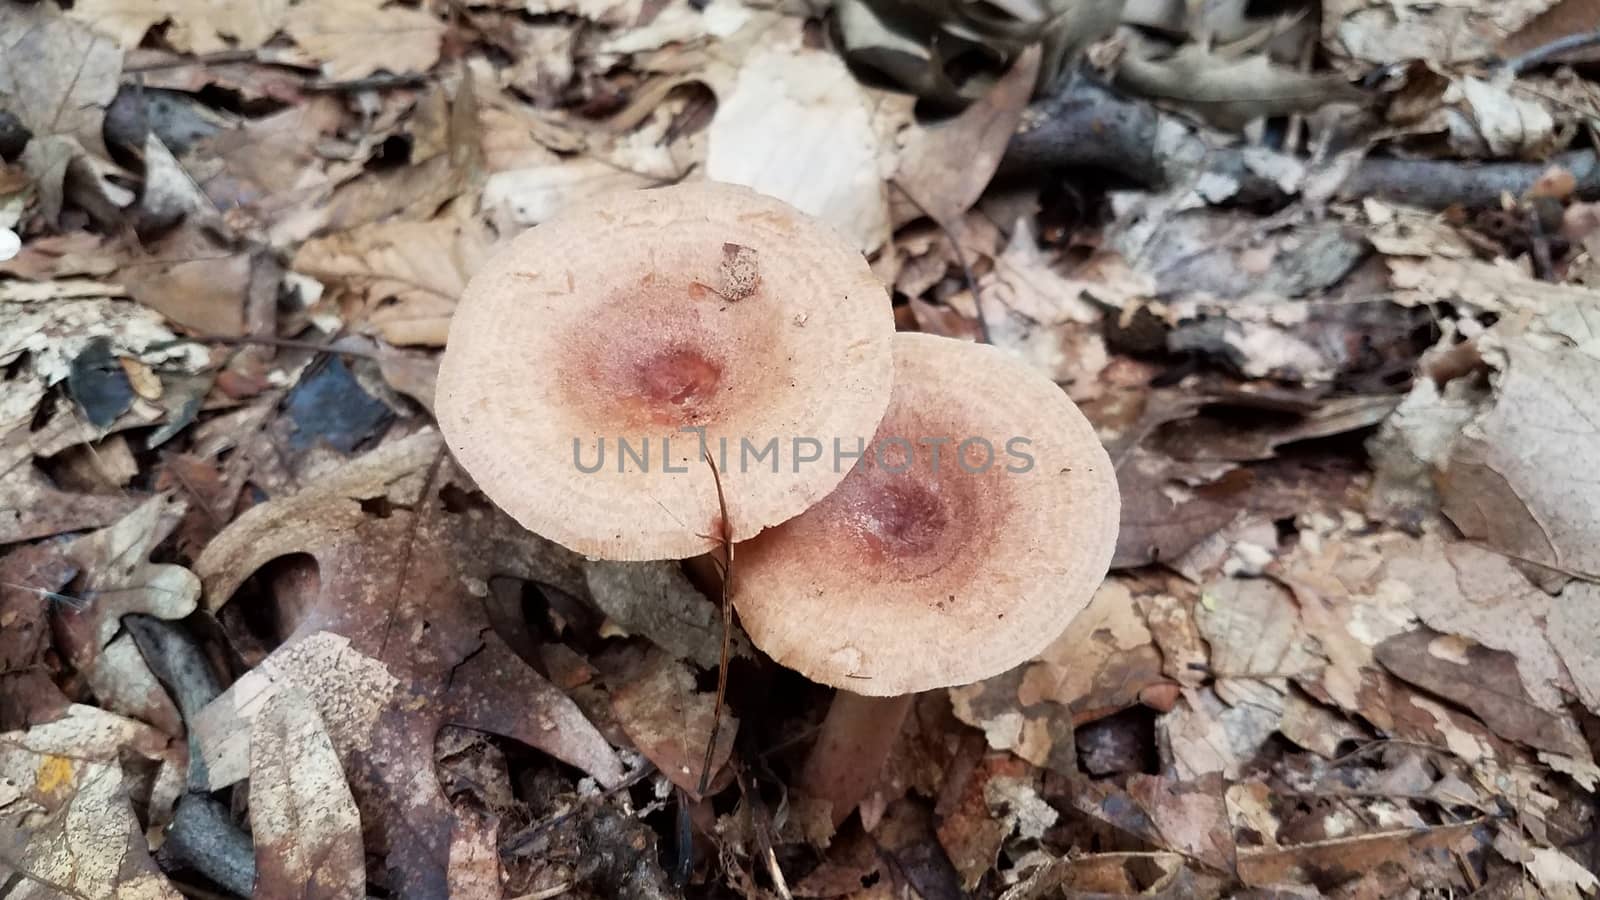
(1342, 859)
(198, 26)
(401, 277)
(1483, 681)
(446, 159)
(1169, 506)
(304, 821)
(1098, 666)
(1563, 19)
(1253, 629)
(475, 856)
(1458, 588)
(396, 643)
(1349, 606)
(1404, 231)
(59, 76)
(31, 507)
(192, 281)
(119, 579)
(1520, 478)
(58, 256)
(946, 167)
(1187, 817)
(267, 172)
(357, 38)
(655, 600)
(798, 126)
(669, 721)
(1000, 798)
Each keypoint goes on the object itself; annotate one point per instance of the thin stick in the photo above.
(522, 838)
(370, 83)
(727, 630)
(961, 260)
(1543, 53)
(285, 343)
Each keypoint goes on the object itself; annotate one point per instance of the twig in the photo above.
(1544, 53)
(547, 893)
(285, 343)
(521, 839)
(727, 630)
(1544, 267)
(1089, 126)
(370, 83)
(221, 57)
(961, 260)
(761, 820)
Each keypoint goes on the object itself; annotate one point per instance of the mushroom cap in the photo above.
(944, 572)
(620, 324)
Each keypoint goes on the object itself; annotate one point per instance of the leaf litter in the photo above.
(1323, 276)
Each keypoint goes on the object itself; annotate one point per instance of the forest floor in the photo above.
(1324, 277)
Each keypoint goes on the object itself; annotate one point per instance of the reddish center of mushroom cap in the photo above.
(677, 376)
(908, 519)
(901, 516)
(654, 356)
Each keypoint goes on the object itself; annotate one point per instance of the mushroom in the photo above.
(977, 526)
(597, 363)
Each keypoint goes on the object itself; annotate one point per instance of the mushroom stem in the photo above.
(851, 749)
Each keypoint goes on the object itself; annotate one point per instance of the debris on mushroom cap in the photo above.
(925, 568)
(639, 330)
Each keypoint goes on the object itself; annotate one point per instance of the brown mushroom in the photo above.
(638, 330)
(980, 522)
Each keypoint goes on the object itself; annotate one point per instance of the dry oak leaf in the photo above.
(118, 579)
(357, 38)
(403, 277)
(198, 26)
(397, 642)
(304, 820)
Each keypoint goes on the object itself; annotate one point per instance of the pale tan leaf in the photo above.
(357, 38)
(403, 275)
(119, 579)
(1460, 31)
(304, 820)
(1574, 621)
(59, 76)
(797, 126)
(198, 26)
(1522, 478)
